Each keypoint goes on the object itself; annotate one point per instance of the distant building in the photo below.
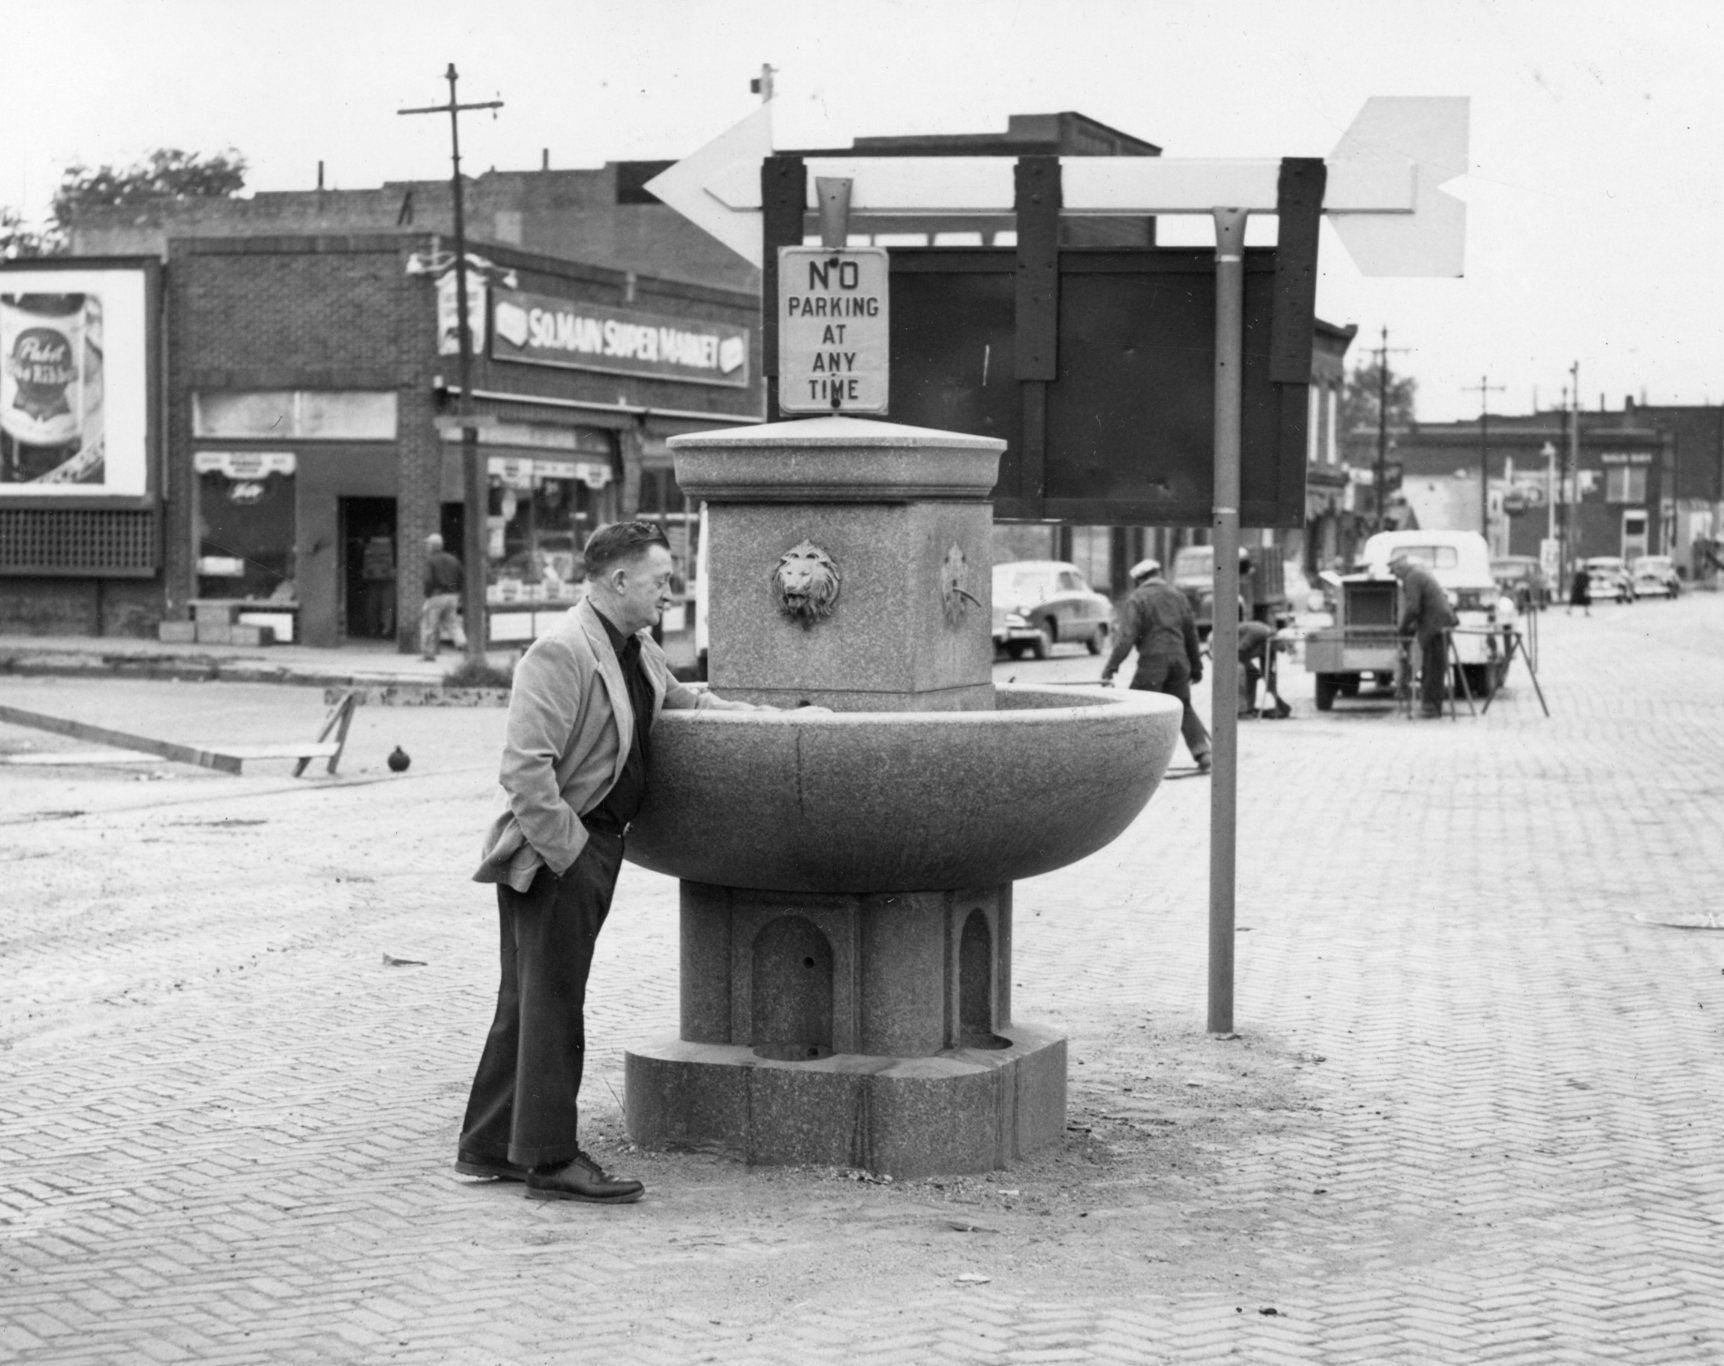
(1639, 481)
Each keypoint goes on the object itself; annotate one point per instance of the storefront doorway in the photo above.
(368, 560)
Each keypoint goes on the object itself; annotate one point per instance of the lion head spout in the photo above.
(805, 583)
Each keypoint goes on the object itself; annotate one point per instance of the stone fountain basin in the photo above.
(865, 802)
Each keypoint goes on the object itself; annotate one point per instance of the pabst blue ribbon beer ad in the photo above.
(56, 397)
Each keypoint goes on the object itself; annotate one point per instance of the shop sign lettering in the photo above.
(539, 330)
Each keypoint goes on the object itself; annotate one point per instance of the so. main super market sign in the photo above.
(537, 329)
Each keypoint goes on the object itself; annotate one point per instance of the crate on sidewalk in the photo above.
(215, 632)
(244, 634)
(177, 632)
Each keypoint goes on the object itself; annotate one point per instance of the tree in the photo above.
(167, 176)
(18, 242)
(1359, 399)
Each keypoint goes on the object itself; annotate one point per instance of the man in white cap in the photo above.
(1157, 622)
(442, 597)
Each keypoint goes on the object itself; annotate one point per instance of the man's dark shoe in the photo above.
(581, 1178)
(500, 1169)
(1204, 763)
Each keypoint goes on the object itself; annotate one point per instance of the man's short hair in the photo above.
(617, 542)
(434, 541)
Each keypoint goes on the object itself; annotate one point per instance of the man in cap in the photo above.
(442, 597)
(1426, 618)
(1157, 622)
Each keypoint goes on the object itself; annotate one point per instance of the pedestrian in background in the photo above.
(1254, 647)
(581, 711)
(1580, 591)
(442, 598)
(1426, 618)
(1157, 622)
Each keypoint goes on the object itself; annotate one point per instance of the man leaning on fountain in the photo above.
(574, 772)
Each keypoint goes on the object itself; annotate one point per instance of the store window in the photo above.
(304, 414)
(1625, 484)
(245, 524)
(542, 509)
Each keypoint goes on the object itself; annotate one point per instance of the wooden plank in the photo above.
(101, 735)
(1299, 210)
(72, 757)
(1038, 260)
(1100, 186)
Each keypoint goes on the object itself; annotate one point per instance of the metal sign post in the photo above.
(1224, 614)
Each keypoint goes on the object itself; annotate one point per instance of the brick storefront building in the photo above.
(298, 463)
(314, 365)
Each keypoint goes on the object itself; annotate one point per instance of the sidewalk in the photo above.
(1472, 1112)
(357, 663)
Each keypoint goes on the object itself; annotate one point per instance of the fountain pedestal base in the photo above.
(867, 1030)
(957, 1111)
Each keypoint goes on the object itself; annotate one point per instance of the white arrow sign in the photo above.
(1383, 193)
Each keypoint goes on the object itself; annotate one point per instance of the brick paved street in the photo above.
(1473, 1113)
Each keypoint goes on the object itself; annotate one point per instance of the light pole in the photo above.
(1548, 451)
(477, 493)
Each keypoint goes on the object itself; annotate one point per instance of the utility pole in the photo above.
(477, 493)
(1572, 459)
(1383, 426)
(1485, 388)
(1562, 486)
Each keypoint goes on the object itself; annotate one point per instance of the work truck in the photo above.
(1363, 644)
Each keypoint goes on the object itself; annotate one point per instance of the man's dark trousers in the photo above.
(1433, 671)
(523, 1103)
(1171, 674)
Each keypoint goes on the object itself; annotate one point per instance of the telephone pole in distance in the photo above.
(477, 494)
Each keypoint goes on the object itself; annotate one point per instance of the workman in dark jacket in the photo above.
(1425, 617)
(1156, 621)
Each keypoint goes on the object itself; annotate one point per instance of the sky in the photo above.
(1593, 190)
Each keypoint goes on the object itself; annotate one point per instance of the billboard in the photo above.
(76, 345)
(538, 329)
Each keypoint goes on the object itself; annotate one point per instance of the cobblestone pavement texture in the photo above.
(1472, 1112)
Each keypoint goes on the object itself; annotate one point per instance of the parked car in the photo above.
(1039, 603)
(1522, 578)
(1655, 574)
(1608, 578)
